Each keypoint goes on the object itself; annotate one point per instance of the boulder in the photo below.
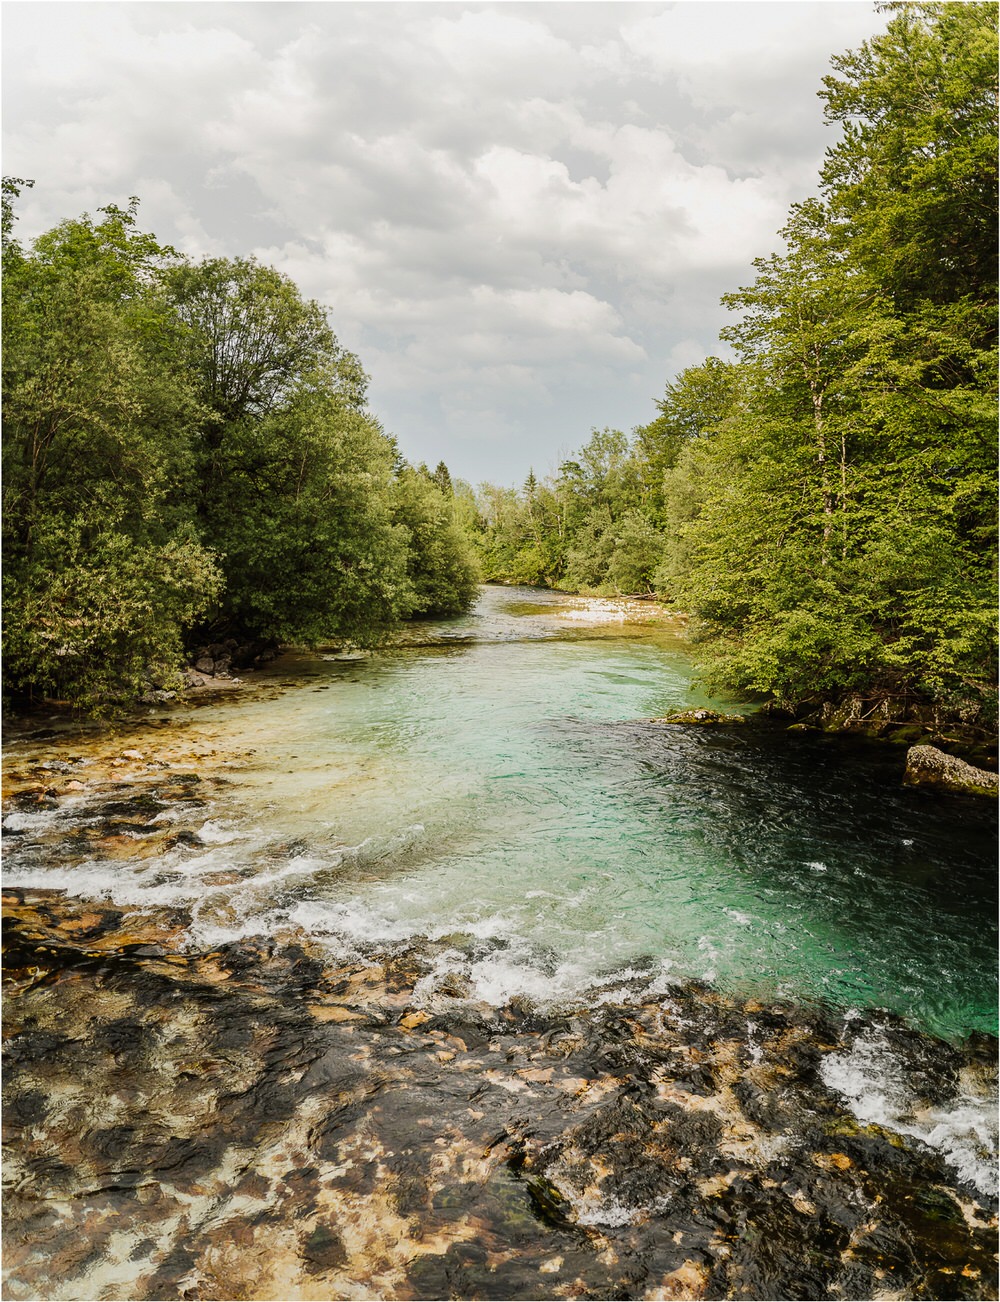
(703, 717)
(926, 766)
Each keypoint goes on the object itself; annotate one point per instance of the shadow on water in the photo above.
(816, 841)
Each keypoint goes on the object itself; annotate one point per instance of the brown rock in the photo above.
(414, 1019)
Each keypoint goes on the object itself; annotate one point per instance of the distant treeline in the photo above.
(825, 505)
(187, 456)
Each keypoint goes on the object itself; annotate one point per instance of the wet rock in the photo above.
(703, 718)
(926, 766)
(190, 840)
(254, 1123)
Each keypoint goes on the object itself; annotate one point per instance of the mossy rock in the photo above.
(926, 766)
(909, 734)
(703, 718)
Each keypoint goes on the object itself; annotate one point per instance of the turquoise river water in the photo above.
(494, 784)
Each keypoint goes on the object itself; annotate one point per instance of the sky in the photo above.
(520, 216)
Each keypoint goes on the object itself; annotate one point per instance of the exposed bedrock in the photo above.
(256, 1123)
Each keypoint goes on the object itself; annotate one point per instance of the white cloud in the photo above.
(520, 215)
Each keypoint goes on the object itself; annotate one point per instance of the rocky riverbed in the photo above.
(267, 1118)
(256, 1123)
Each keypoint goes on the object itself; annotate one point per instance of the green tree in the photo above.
(914, 175)
(103, 569)
(296, 476)
(835, 532)
(302, 516)
(693, 404)
(638, 550)
(252, 339)
(441, 569)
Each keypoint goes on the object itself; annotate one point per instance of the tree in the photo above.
(296, 477)
(835, 532)
(252, 339)
(103, 569)
(638, 549)
(301, 513)
(187, 452)
(914, 176)
(441, 568)
(693, 404)
(442, 478)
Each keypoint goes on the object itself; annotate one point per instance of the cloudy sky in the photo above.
(520, 215)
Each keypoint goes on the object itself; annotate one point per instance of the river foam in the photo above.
(872, 1079)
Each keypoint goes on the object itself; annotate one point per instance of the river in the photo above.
(509, 790)
(492, 792)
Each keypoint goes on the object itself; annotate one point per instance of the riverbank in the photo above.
(232, 668)
(256, 1122)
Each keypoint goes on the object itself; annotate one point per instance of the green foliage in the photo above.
(252, 339)
(299, 508)
(583, 530)
(187, 452)
(442, 570)
(836, 533)
(102, 570)
(96, 617)
(638, 547)
(915, 173)
(691, 407)
(825, 505)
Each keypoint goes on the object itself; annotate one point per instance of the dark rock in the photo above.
(557, 1156)
(324, 1248)
(191, 840)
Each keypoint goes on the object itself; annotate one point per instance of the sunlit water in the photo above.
(496, 786)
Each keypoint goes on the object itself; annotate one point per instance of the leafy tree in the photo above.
(693, 404)
(914, 175)
(187, 452)
(835, 533)
(296, 484)
(590, 551)
(252, 339)
(638, 549)
(302, 513)
(441, 568)
(100, 553)
(97, 618)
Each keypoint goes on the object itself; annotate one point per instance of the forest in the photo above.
(189, 454)
(823, 504)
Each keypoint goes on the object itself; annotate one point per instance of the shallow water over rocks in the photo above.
(255, 1122)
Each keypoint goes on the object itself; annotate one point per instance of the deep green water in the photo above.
(501, 791)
